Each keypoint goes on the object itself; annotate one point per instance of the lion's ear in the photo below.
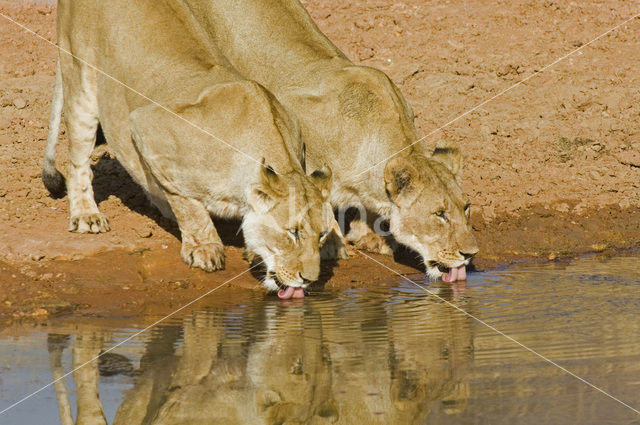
(322, 178)
(400, 177)
(448, 154)
(263, 194)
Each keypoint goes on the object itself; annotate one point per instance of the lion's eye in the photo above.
(295, 233)
(442, 214)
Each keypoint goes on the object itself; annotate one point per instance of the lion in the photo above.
(210, 141)
(355, 120)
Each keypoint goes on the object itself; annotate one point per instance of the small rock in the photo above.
(631, 158)
(144, 233)
(364, 24)
(19, 103)
(624, 204)
(597, 147)
(594, 174)
(38, 312)
(533, 191)
(37, 257)
(365, 53)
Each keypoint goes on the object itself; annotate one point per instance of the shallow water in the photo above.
(385, 355)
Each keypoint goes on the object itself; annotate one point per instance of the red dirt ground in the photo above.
(552, 166)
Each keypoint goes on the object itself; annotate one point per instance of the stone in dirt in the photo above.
(19, 103)
(629, 158)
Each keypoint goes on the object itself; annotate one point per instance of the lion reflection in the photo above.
(380, 360)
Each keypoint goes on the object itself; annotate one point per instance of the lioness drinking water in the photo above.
(195, 135)
(354, 119)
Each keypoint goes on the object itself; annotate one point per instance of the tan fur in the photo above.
(351, 117)
(246, 166)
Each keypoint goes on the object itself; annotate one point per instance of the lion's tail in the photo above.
(51, 177)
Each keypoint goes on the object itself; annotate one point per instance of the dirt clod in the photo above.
(19, 103)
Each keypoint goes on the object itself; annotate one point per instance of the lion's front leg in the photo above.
(201, 245)
(81, 114)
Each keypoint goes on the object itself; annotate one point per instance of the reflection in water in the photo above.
(376, 359)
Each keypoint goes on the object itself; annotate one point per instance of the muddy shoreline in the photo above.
(152, 281)
(552, 167)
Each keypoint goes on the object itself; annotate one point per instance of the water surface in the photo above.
(392, 354)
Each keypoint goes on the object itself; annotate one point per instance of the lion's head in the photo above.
(286, 224)
(430, 212)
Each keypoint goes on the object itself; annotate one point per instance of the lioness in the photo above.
(354, 119)
(201, 150)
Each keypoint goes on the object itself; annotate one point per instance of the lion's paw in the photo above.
(207, 256)
(374, 243)
(89, 223)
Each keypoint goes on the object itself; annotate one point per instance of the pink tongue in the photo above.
(457, 273)
(462, 273)
(290, 292)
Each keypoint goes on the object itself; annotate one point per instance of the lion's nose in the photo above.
(310, 273)
(309, 276)
(468, 256)
(310, 267)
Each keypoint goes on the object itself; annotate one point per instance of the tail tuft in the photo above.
(54, 182)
